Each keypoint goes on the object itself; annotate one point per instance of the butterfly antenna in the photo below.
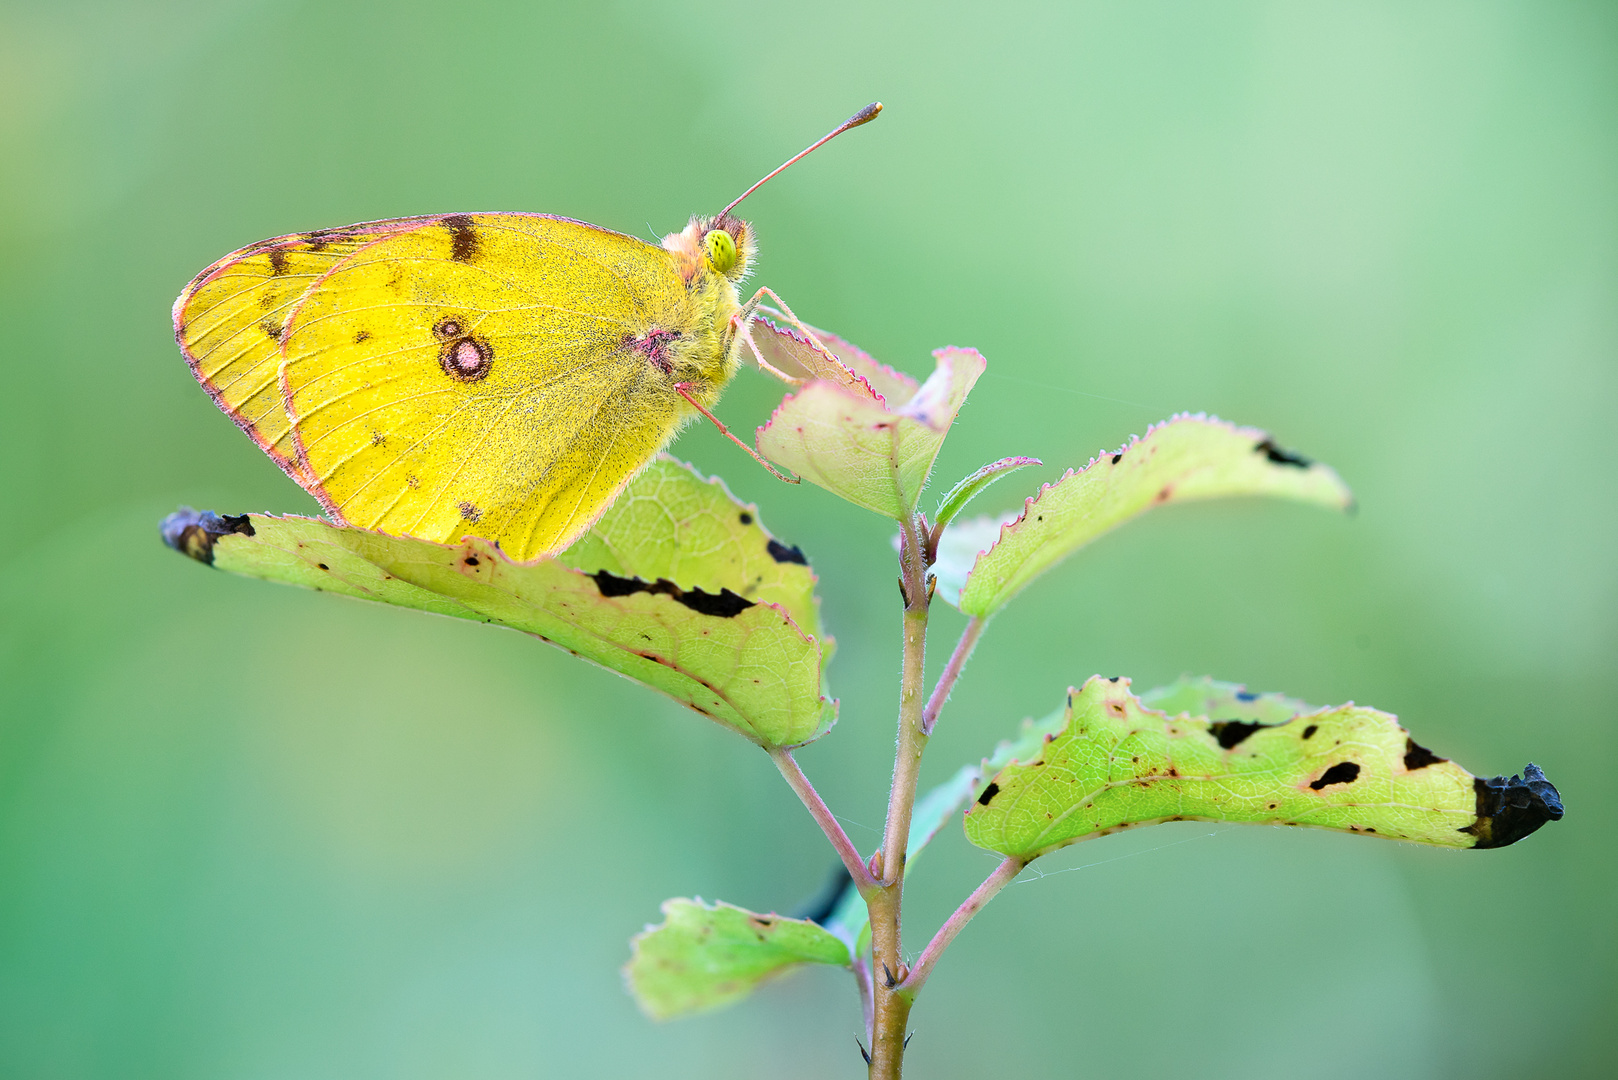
(864, 116)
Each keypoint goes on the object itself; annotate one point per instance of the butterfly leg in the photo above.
(684, 390)
(750, 311)
(746, 334)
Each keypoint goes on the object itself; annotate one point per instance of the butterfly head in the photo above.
(729, 245)
(721, 245)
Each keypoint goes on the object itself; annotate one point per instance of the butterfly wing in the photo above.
(479, 374)
(229, 320)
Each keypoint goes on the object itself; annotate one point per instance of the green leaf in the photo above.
(1204, 696)
(703, 956)
(1115, 764)
(875, 454)
(677, 587)
(969, 487)
(1186, 457)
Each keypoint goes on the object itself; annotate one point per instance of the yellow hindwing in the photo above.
(229, 322)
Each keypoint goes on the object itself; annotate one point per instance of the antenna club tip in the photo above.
(865, 115)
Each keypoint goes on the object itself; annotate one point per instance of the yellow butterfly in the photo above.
(502, 375)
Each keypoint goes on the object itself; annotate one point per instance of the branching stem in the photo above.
(887, 986)
(793, 772)
(888, 970)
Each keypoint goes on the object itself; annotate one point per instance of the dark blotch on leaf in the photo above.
(724, 604)
(1116, 458)
(612, 585)
(1344, 772)
(1510, 809)
(1419, 757)
(1246, 695)
(1309, 732)
(1231, 733)
(1278, 456)
(193, 532)
(988, 793)
(746, 518)
(783, 554)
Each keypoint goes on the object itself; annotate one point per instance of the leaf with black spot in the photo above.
(1184, 458)
(691, 604)
(1116, 763)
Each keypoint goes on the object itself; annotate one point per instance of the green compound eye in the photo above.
(721, 250)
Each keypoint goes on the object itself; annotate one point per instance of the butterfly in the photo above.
(503, 375)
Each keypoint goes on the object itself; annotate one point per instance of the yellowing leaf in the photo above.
(848, 365)
(704, 956)
(708, 610)
(1116, 763)
(1186, 457)
(875, 454)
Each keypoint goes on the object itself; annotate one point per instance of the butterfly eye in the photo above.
(721, 250)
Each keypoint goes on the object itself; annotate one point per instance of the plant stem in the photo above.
(1002, 876)
(952, 671)
(888, 971)
(891, 1013)
(793, 772)
(907, 761)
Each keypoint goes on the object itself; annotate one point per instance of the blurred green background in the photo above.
(250, 832)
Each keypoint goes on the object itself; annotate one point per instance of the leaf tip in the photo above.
(1510, 808)
(193, 532)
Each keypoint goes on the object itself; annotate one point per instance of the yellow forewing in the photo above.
(228, 323)
(474, 375)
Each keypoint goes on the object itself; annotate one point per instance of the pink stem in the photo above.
(952, 671)
(822, 814)
(1010, 868)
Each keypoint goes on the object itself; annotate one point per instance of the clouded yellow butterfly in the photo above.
(499, 375)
